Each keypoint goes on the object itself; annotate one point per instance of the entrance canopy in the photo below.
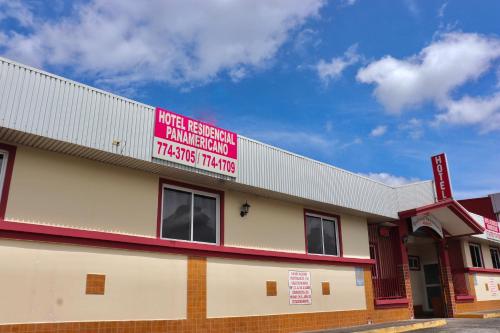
(447, 218)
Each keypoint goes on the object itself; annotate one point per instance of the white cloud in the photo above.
(432, 74)
(378, 131)
(333, 69)
(179, 42)
(414, 128)
(348, 2)
(442, 8)
(482, 111)
(389, 179)
(16, 10)
(238, 74)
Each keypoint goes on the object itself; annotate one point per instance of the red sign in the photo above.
(191, 142)
(441, 177)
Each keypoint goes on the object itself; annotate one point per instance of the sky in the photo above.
(374, 87)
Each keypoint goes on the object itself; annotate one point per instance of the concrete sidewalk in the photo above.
(392, 327)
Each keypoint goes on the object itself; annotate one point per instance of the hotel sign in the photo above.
(441, 177)
(299, 285)
(194, 143)
(492, 229)
(429, 221)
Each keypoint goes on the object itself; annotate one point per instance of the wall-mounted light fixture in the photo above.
(405, 240)
(244, 209)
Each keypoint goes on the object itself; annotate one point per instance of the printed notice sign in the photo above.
(191, 142)
(492, 286)
(299, 284)
(360, 276)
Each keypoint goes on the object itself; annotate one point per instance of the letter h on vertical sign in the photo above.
(441, 177)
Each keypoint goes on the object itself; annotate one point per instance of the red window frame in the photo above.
(9, 169)
(164, 181)
(339, 231)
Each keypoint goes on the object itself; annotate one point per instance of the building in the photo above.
(108, 225)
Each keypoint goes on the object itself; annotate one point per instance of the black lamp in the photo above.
(244, 209)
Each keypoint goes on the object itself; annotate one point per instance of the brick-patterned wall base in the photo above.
(198, 322)
(478, 306)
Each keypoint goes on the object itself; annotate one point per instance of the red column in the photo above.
(404, 267)
(446, 280)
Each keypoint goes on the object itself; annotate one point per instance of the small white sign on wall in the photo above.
(299, 284)
(492, 286)
(360, 276)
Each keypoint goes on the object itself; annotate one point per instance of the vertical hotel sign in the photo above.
(194, 143)
(441, 177)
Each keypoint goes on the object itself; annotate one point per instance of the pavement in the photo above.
(455, 325)
(448, 325)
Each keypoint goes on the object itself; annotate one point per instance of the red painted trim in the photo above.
(164, 181)
(482, 270)
(339, 227)
(464, 298)
(391, 302)
(11, 150)
(454, 206)
(17, 230)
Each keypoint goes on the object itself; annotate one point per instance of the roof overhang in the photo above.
(454, 219)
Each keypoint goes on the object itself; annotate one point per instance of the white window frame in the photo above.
(479, 247)
(329, 218)
(497, 250)
(192, 192)
(3, 169)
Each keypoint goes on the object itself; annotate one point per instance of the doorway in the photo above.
(425, 276)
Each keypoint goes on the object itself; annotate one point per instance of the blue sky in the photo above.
(375, 87)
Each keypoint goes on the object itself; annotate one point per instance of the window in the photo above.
(414, 263)
(322, 235)
(495, 257)
(475, 254)
(190, 215)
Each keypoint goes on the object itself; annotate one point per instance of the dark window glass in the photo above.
(330, 237)
(495, 257)
(177, 214)
(314, 238)
(475, 254)
(205, 223)
(431, 274)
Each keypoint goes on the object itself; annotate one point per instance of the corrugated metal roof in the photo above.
(44, 110)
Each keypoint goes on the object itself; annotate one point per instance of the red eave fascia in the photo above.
(27, 231)
(453, 205)
(482, 270)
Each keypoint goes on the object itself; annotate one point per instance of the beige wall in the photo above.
(493, 282)
(56, 189)
(278, 225)
(43, 282)
(270, 224)
(238, 288)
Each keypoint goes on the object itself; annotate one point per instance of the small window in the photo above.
(414, 263)
(495, 257)
(322, 235)
(475, 254)
(190, 215)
